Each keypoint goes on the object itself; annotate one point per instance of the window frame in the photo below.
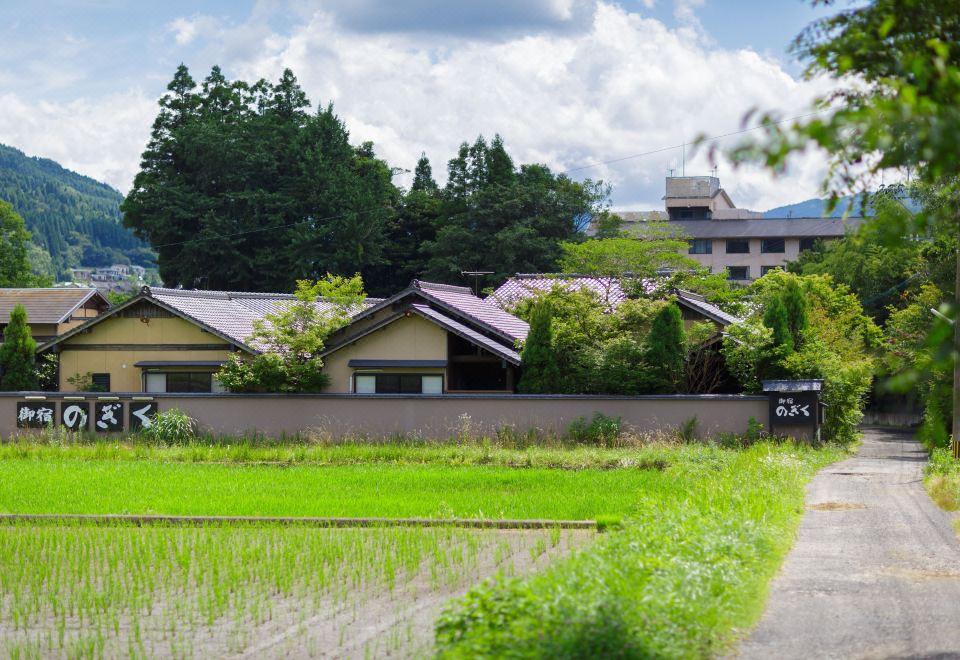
(746, 273)
(400, 376)
(97, 387)
(744, 241)
(694, 243)
(765, 247)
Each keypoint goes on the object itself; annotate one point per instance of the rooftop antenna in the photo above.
(683, 163)
(671, 170)
(713, 172)
(476, 275)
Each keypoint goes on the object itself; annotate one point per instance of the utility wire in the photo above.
(337, 216)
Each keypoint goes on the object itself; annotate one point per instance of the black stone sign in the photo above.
(35, 414)
(142, 414)
(109, 416)
(75, 415)
(793, 408)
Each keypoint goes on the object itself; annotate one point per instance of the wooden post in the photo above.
(955, 431)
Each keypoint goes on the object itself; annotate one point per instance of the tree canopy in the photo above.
(18, 354)
(15, 268)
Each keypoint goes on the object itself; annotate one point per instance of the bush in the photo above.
(171, 426)
(601, 430)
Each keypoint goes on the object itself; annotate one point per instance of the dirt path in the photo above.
(875, 571)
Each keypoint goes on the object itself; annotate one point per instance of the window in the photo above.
(701, 246)
(398, 384)
(181, 381)
(774, 245)
(738, 272)
(738, 246)
(807, 243)
(101, 382)
(766, 269)
(690, 213)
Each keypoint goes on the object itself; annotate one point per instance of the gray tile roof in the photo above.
(232, 313)
(51, 305)
(766, 228)
(525, 285)
(475, 309)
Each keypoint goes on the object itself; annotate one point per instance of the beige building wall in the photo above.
(407, 338)
(115, 344)
(438, 417)
(720, 260)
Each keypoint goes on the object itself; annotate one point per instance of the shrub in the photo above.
(172, 426)
(540, 371)
(666, 350)
(602, 430)
(18, 354)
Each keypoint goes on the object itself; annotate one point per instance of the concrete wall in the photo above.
(433, 416)
(115, 344)
(408, 338)
(719, 260)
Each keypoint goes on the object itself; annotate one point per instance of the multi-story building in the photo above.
(725, 238)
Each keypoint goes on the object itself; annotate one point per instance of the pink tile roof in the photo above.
(524, 285)
(476, 309)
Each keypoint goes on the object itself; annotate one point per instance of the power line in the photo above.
(337, 216)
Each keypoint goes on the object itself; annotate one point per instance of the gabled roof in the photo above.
(51, 305)
(608, 289)
(230, 315)
(460, 303)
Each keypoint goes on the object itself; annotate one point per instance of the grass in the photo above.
(684, 573)
(692, 535)
(942, 479)
(148, 592)
(378, 490)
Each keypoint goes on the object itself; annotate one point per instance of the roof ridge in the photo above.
(420, 284)
(220, 295)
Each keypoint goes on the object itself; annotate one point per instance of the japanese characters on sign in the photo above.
(108, 416)
(142, 414)
(75, 415)
(35, 414)
(793, 408)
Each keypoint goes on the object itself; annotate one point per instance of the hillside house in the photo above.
(52, 311)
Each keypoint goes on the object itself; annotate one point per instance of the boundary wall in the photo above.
(377, 415)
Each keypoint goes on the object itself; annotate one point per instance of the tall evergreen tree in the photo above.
(18, 354)
(540, 372)
(776, 317)
(666, 349)
(795, 305)
(14, 245)
(423, 180)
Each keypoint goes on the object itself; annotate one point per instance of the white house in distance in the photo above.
(725, 238)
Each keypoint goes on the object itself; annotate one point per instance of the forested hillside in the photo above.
(74, 220)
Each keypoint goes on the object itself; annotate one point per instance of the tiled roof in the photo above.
(524, 285)
(475, 309)
(456, 327)
(709, 310)
(53, 305)
(767, 228)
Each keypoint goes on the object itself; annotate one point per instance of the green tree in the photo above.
(666, 350)
(795, 306)
(500, 218)
(242, 187)
(643, 256)
(540, 371)
(18, 354)
(292, 338)
(15, 270)
(777, 319)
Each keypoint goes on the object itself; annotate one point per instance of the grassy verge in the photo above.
(685, 571)
(942, 479)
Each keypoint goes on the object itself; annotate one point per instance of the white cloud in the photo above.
(624, 86)
(621, 85)
(100, 138)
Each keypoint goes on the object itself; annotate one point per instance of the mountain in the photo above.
(815, 208)
(75, 220)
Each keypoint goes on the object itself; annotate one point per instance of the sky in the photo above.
(574, 84)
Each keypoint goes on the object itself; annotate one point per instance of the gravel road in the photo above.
(875, 571)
